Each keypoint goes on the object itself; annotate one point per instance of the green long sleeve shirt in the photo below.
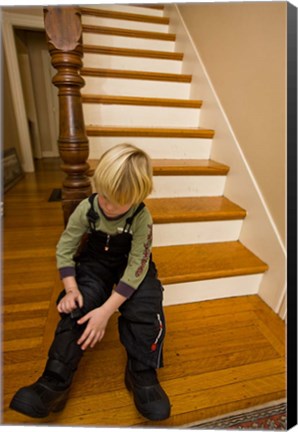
(138, 259)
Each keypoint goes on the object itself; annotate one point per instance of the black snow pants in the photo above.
(141, 322)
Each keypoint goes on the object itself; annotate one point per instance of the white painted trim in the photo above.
(211, 289)
(282, 309)
(188, 186)
(259, 232)
(156, 147)
(186, 233)
(9, 21)
(49, 154)
(53, 131)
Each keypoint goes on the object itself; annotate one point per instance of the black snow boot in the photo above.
(149, 397)
(47, 394)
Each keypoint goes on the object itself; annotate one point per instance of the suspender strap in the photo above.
(92, 215)
(129, 220)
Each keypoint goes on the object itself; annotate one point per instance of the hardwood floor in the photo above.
(220, 356)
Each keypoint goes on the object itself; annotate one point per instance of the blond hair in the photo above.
(124, 175)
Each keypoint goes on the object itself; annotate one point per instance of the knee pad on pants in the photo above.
(64, 348)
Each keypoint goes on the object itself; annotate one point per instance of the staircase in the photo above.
(135, 92)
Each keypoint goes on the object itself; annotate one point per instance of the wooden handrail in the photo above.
(64, 34)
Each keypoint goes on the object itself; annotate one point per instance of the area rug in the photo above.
(268, 418)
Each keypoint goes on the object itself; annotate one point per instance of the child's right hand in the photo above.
(70, 301)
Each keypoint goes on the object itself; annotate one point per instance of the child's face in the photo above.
(110, 209)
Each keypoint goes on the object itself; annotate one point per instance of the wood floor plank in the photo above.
(20, 307)
(25, 324)
(22, 333)
(269, 334)
(16, 345)
(270, 320)
(19, 356)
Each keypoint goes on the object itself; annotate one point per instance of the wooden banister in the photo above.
(64, 34)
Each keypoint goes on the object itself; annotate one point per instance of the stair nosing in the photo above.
(139, 75)
(140, 101)
(128, 33)
(206, 272)
(172, 169)
(150, 6)
(203, 213)
(215, 169)
(133, 52)
(211, 275)
(152, 132)
(126, 16)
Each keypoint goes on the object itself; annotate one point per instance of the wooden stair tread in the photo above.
(144, 101)
(128, 33)
(188, 167)
(142, 75)
(189, 263)
(150, 6)
(149, 132)
(179, 167)
(105, 13)
(133, 52)
(193, 209)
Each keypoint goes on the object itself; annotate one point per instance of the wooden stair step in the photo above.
(143, 101)
(140, 75)
(179, 167)
(150, 6)
(188, 167)
(149, 132)
(193, 209)
(87, 28)
(105, 13)
(132, 52)
(188, 263)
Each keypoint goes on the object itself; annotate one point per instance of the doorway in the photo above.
(21, 132)
(40, 96)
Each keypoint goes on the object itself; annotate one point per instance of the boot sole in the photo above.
(27, 409)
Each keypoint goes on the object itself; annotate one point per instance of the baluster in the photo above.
(64, 34)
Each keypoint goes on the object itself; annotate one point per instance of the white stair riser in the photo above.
(157, 148)
(130, 9)
(125, 24)
(142, 116)
(211, 289)
(132, 63)
(196, 232)
(135, 87)
(188, 186)
(128, 42)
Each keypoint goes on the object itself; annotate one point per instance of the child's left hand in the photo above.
(95, 330)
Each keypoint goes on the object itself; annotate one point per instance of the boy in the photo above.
(116, 229)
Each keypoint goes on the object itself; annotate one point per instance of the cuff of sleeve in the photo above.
(124, 289)
(67, 271)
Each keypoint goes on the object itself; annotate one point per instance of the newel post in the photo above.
(64, 34)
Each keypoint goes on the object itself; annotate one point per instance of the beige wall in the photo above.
(243, 47)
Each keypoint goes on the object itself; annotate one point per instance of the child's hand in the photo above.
(96, 327)
(70, 301)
